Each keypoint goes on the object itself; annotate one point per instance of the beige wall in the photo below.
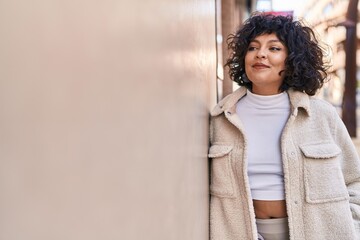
(104, 119)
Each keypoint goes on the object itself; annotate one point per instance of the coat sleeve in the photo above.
(351, 169)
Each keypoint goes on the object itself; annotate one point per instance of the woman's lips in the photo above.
(260, 66)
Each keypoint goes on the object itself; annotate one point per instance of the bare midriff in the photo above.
(270, 209)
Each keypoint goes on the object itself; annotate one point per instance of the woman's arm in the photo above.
(351, 169)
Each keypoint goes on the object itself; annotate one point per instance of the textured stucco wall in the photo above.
(104, 119)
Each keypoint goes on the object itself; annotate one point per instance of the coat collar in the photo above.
(298, 100)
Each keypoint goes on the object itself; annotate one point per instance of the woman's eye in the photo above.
(251, 48)
(275, 49)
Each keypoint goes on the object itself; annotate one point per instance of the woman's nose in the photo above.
(260, 54)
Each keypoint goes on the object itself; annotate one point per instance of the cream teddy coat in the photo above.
(321, 173)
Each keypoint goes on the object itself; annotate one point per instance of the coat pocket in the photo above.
(221, 176)
(324, 181)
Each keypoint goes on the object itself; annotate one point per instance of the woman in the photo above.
(282, 163)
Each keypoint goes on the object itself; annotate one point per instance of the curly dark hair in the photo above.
(305, 68)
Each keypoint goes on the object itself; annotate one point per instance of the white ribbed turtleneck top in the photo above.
(264, 118)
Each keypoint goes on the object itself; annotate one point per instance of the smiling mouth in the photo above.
(260, 66)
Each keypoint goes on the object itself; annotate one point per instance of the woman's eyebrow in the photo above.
(270, 41)
(274, 40)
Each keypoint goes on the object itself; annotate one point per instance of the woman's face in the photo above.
(264, 61)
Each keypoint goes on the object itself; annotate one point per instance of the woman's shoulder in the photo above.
(228, 101)
(321, 105)
(322, 109)
(314, 105)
